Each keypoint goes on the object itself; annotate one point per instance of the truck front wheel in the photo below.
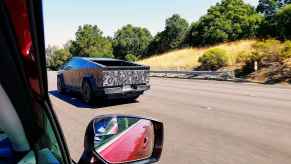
(60, 85)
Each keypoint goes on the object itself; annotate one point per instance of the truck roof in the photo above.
(110, 62)
(100, 59)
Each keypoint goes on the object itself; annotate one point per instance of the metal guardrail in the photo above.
(218, 75)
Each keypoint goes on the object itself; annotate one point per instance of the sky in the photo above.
(62, 17)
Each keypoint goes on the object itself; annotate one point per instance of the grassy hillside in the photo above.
(187, 59)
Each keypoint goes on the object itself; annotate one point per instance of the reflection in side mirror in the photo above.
(123, 139)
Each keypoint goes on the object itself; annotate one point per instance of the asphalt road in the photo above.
(206, 122)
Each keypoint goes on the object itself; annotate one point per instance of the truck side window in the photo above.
(68, 66)
(73, 64)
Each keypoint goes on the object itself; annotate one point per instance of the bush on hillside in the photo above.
(286, 50)
(58, 58)
(131, 58)
(263, 52)
(247, 61)
(266, 53)
(213, 59)
(244, 57)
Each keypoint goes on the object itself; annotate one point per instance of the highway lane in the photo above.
(207, 122)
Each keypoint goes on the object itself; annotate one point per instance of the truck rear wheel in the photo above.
(87, 92)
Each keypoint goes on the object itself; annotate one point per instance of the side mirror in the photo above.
(122, 139)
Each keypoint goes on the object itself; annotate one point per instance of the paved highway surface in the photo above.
(206, 122)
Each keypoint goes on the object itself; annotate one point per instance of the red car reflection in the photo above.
(135, 143)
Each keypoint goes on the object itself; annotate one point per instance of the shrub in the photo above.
(266, 52)
(271, 51)
(244, 57)
(286, 50)
(247, 59)
(58, 58)
(131, 58)
(213, 59)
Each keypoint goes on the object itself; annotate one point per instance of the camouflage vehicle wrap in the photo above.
(125, 77)
(109, 78)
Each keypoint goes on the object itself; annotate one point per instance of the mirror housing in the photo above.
(122, 139)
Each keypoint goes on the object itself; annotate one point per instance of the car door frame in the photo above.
(35, 13)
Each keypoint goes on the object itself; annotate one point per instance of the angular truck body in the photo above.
(103, 77)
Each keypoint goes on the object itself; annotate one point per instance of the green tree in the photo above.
(284, 2)
(268, 7)
(131, 40)
(176, 28)
(283, 22)
(226, 21)
(131, 58)
(58, 58)
(49, 51)
(171, 37)
(90, 42)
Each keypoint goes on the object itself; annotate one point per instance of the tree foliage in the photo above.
(268, 7)
(266, 52)
(283, 20)
(58, 58)
(131, 58)
(131, 40)
(176, 28)
(49, 51)
(272, 25)
(226, 21)
(171, 37)
(90, 42)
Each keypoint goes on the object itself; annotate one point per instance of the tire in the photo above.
(87, 92)
(132, 98)
(60, 85)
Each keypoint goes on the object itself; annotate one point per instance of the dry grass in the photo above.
(187, 59)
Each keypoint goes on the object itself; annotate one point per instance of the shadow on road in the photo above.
(77, 102)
